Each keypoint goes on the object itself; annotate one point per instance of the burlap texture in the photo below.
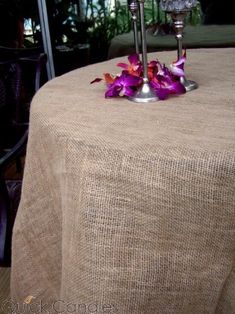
(129, 208)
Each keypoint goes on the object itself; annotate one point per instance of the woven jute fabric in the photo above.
(129, 208)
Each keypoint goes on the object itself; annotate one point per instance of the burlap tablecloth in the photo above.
(129, 208)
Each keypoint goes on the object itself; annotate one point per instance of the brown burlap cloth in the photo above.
(129, 208)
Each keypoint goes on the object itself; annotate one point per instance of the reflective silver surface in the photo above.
(134, 8)
(178, 9)
(188, 84)
(178, 23)
(145, 93)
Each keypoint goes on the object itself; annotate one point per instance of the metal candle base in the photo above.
(144, 94)
(188, 84)
(178, 23)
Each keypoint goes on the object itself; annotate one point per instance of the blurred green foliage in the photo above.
(108, 22)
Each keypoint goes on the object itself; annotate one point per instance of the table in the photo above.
(126, 207)
(200, 36)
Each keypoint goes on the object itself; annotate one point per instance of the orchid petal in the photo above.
(113, 91)
(177, 67)
(179, 62)
(164, 88)
(134, 67)
(176, 88)
(128, 91)
(134, 59)
(122, 65)
(131, 80)
(123, 85)
(98, 79)
(109, 79)
(177, 71)
(162, 93)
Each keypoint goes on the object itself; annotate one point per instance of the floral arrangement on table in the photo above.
(163, 80)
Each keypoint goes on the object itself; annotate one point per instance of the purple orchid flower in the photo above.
(166, 83)
(134, 67)
(123, 85)
(164, 89)
(177, 67)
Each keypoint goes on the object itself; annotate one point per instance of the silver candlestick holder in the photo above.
(145, 93)
(134, 9)
(178, 9)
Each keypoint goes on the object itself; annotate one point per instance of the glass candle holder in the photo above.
(178, 9)
(177, 5)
